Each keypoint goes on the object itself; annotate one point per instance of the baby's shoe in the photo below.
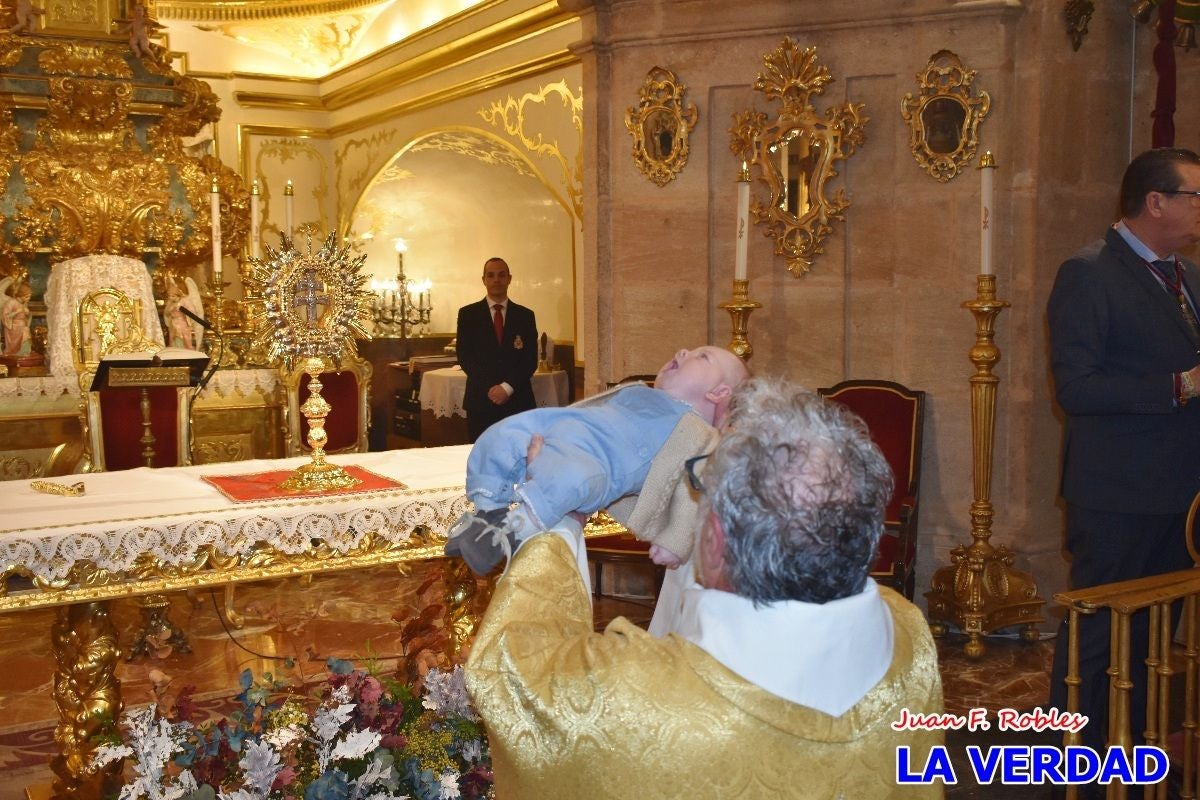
(482, 538)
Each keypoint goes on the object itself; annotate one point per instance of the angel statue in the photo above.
(14, 315)
(180, 329)
(26, 14)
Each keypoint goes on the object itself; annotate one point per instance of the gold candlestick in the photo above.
(981, 592)
(739, 309)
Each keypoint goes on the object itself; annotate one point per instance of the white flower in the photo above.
(446, 693)
(106, 753)
(356, 745)
(261, 765)
(280, 738)
(449, 786)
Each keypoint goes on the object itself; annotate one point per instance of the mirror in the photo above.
(660, 125)
(795, 154)
(944, 118)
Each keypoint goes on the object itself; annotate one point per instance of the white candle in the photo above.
(289, 207)
(783, 172)
(255, 233)
(743, 223)
(215, 208)
(987, 173)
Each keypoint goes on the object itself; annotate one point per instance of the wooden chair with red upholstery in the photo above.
(894, 415)
(347, 389)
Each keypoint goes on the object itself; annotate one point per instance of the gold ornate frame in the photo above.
(797, 149)
(660, 125)
(945, 116)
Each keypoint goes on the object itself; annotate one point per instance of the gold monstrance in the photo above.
(313, 304)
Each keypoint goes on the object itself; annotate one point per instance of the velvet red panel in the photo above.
(340, 390)
(890, 418)
(121, 414)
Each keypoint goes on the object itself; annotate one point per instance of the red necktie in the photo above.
(498, 323)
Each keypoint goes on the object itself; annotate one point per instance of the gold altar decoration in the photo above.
(93, 148)
(944, 117)
(980, 591)
(313, 305)
(660, 124)
(740, 308)
(796, 153)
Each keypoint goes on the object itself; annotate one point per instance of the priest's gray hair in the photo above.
(801, 491)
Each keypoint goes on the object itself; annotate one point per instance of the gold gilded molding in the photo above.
(86, 693)
(944, 117)
(83, 60)
(254, 10)
(464, 143)
(660, 125)
(282, 151)
(353, 182)
(796, 153)
(218, 449)
(510, 115)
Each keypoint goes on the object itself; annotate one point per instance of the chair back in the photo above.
(894, 415)
(348, 391)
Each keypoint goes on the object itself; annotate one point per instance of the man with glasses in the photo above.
(1124, 345)
(791, 664)
(627, 443)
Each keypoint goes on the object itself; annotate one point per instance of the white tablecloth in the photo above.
(442, 390)
(173, 514)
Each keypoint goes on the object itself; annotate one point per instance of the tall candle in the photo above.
(215, 207)
(987, 173)
(743, 223)
(255, 233)
(783, 172)
(289, 207)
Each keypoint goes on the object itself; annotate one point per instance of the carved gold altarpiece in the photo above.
(94, 124)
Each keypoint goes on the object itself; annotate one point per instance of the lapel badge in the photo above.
(517, 343)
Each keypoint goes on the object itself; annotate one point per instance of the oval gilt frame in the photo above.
(660, 124)
(944, 117)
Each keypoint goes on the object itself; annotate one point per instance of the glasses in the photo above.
(1194, 194)
(689, 467)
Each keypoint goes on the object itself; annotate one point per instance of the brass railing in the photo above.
(1155, 595)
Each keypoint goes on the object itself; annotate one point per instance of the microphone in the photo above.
(199, 320)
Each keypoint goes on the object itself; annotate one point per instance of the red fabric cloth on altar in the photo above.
(265, 485)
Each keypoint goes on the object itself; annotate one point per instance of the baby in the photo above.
(594, 453)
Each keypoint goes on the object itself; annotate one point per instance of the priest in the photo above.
(790, 665)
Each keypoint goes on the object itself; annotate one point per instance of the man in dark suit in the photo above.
(1125, 350)
(497, 348)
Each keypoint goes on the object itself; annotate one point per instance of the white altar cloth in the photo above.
(172, 514)
(442, 390)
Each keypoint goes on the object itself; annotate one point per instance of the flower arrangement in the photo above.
(368, 738)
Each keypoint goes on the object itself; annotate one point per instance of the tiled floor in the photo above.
(352, 616)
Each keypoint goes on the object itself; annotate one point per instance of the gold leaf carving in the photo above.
(511, 116)
(353, 182)
(81, 11)
(82, 60)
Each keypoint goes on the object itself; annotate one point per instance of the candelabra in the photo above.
(740, 308)
(393, 310)
(981, 591)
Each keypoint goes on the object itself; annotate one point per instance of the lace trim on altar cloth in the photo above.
(177, 542)
(52, 387)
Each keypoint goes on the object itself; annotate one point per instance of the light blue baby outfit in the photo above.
(596, 451)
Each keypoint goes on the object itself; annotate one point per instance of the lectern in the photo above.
(169, 368)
